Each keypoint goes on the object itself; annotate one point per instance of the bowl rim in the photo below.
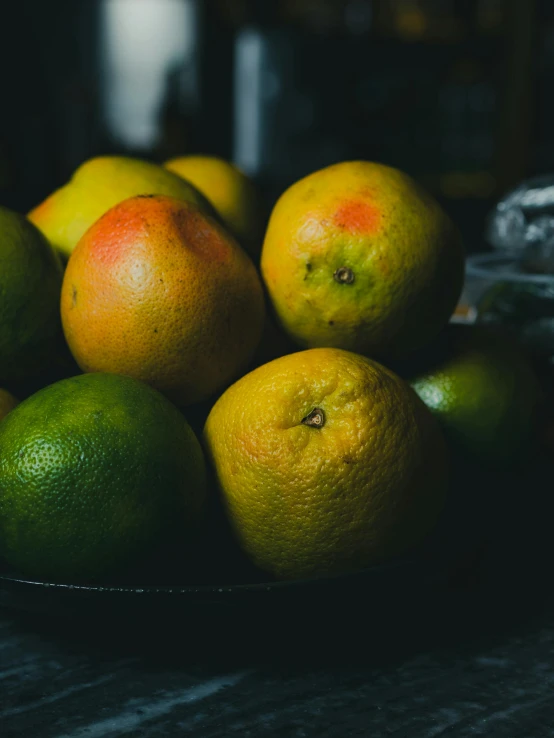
(401, 566)
(489, 266)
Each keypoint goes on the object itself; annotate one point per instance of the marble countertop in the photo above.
(472, 668)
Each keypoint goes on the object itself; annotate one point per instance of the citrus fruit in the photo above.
(231, 193)
(160, 291)
(94, 470)
(326, 462)
(482, 390)
(30, 284)
(358, 256)
(96, 186)
(7, 403)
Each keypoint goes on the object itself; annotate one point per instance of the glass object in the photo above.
(523, 224)
(513, 287)
(499, 291)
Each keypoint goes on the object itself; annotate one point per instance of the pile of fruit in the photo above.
(334, 397)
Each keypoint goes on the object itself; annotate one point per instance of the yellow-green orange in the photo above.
(483, 392)
(94, 470)
(358, 256)
(7, 403)
(95, 187)
(327, 462)
(230, 191)
(160, 291)
(30, 284)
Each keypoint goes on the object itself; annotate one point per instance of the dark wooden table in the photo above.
(58, 680)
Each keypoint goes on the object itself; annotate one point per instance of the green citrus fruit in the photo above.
(30, 287)
(482, 390)
(94, 470)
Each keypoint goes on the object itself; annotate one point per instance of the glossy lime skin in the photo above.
(94, 470)
(483, 391)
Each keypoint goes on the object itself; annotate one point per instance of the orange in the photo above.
(231, 193)
(358, 256)
(158, 290)
(96, 186)
(326, 462)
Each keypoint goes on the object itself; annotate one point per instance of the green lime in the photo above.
(482, 390)
(30, 286)
(95, 470)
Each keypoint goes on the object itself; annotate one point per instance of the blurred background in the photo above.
(455, 92)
